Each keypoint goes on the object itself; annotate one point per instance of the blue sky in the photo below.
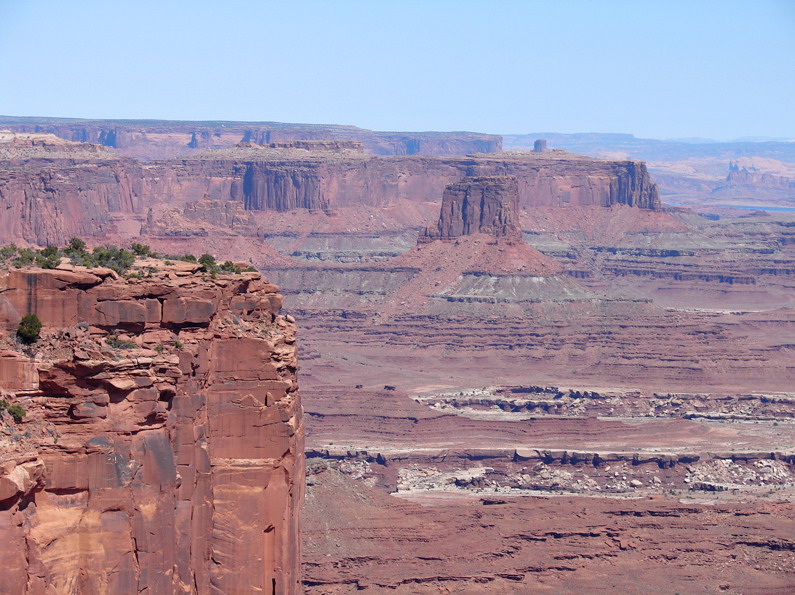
(663, 69)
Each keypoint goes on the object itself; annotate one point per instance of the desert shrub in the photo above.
(16, 411)
(75, 246)
(143, 250)
(25, 257)
(48, 258)
(115, 343)
(7, 252)
(112, 257)
(29, 329)
(117, 259)
(230, 267)
(207, 261)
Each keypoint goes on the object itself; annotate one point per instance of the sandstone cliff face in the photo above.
(48, 197)
(51, 189)
(166, 460)
(47, 203)
(486, 204)
(284, 182)
(282, 188)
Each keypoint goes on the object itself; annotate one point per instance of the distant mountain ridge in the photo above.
(159, 139)
(646, 149)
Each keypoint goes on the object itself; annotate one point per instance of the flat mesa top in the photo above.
(265, 153)
(31, 145)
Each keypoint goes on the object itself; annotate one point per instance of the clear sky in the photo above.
(666, 68)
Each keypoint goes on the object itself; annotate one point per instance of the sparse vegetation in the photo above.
(16, 411)
(24, 257)
(75, 246)
(143, 250)
(117, 259)
(7, 252)
(207, 261)
(108, 256)
(177, 344)
(29, 329)
(114, 342)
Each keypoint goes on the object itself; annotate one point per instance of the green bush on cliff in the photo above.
(49, 257)
(114, 258)
(117, 259)
(7, 252)
(16, 411)
(29, 329)
(108, 256)
(230, 267)
(115, 343)
(207, 261)
(143, 251)
(25, 257)
(75, 246)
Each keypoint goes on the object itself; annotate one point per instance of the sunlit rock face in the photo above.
(161, 449)
(485, 204)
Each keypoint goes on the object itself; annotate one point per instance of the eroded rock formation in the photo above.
(155, 139)
(52, 191)
(486, 204)
(162, 446)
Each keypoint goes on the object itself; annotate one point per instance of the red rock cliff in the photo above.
(283, 181)
(168, 459)
(47, 198)
(52, 189)
(486, 204)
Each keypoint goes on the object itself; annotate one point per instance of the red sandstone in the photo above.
(170, 461)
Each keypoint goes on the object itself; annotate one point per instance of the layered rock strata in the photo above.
(158, 139)
(281, 180)
(49, 194)
(162, 446)
(52, 189)
(486, 204)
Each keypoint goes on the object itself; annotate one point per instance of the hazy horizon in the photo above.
(673, 70)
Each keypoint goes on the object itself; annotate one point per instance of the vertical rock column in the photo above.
(478, 204)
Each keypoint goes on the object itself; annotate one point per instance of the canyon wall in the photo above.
(52, 189)
(283, 181)
(78, 189)
(161, 448)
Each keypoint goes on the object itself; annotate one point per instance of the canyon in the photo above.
(519, 370)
